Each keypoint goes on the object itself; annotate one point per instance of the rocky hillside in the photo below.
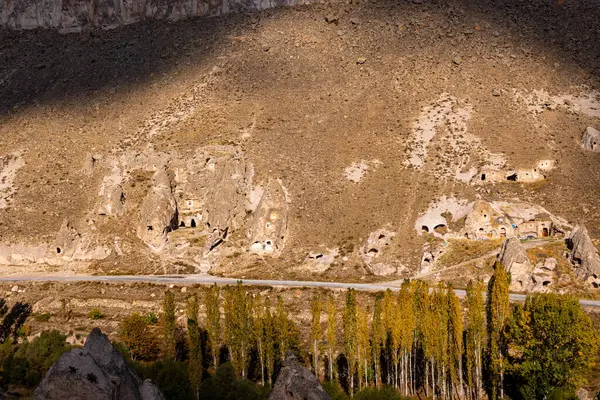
(346, 141)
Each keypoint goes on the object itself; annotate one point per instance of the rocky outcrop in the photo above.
(95, 372)
(376, 244)
(514, 258)
(295, 382)
(268, 224)
(584, 254)
(73, 16)
(112, 198)
(158, 214)
(591, 140)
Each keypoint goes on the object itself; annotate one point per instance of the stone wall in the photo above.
(75, 15)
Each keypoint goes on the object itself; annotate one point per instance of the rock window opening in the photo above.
(381, 237)
(512, 177)
(318, 256)
(503, 232)
(268, 242)
(373, 251)
(193, 223)
(182, 224)
(150, 227)
(58, 250)
(441, 229)
(424, 228)
(483, 177)
(426, 260)
(546, 283)
(545, 232)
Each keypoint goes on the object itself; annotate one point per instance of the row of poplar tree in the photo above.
(419, 340)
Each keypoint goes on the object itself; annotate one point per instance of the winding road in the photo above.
(209, 280)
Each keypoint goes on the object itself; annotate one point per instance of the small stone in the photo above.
(496, 92)
(183, 289)
(102, 291)
(457, 60)
(331, 19)
(152, 295)
(340, 32)
(14, 289)
(355, 21)
(171, 286)
(556, 64)
(344, 259)
(266, 48)
(361, 60)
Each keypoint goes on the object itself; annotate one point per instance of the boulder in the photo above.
(95, 372)
(583, 253)
(296, 382)
(112, 197)
(158, 214)
(591, 140)
(514, 258)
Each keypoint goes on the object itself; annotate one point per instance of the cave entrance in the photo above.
(512, 177)
(503, 232)
(483, 177)
(193, 223)
(182, 224)
(545, 232)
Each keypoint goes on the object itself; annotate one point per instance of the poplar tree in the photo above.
(474, 338)
(363, 345)
(238, 326)
(389, 316)
(377, 338)
(331, 334)
(282, 328)
(441, 354)
(316, 332)
(350, 336)
(213, 321)
(195, 355)
(269, 341)
(408, 323)
(455, 332)
(168, 324)
(258, 325)
(497, 310)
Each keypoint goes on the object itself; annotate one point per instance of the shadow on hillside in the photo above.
(38, 67)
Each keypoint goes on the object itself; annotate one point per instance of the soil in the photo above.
(306, 92)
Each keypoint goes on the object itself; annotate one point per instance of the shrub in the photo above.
(96, 314)
(42, 317)
(135, 333)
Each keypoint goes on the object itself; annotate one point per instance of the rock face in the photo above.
(96, 372)
(72, 16)
(158, 215)
(584, 254)
(514, 258)
(295, 382)
(591, 140)
(267, 228)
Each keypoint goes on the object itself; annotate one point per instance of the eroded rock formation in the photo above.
(514, 258)
(295, 382)
(95, 372)
(73, 16)
(591, 140)
(268, 224)
(158, 214)
(585, 255)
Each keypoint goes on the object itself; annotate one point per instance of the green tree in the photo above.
(331, 334)
(258, 321)
(316, 331)
(350, 336)
(363, 345)
(407, 332)
(282, 328)
(238, 327)
(270, 340)
(378, 337)
(474, 338)
(169, 326)
(497, 310)
(212, 302)
(455, 332)
(195, 355)
(552, 345)
(135, 333)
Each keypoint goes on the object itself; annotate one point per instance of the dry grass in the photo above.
(461, 250)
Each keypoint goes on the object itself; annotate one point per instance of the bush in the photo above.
(96, 314)
(135, 333)
(151, 318)
(42, 317)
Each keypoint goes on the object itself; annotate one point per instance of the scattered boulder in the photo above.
(591, 140)
(514, 258)
(95, 372)
(374, 248)
(268, 224)
(158, 214)
(583, 253)
(296, 382)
